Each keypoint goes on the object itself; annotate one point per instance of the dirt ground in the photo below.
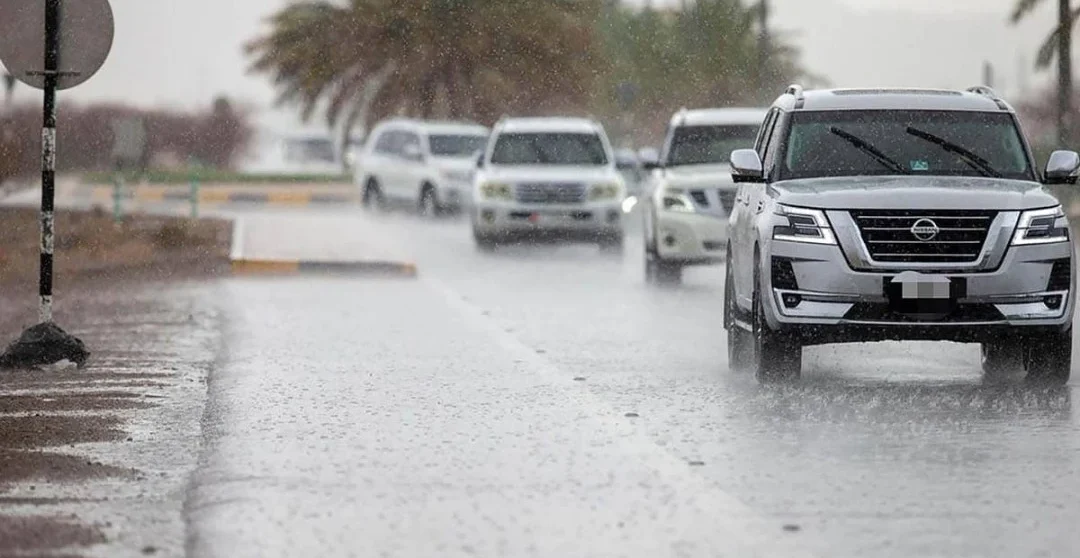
(46, 418)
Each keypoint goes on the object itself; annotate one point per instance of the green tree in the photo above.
(1058, 44)
(707, 55)
(429, 58)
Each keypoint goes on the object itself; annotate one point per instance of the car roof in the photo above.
(436, 126)
(720, 116)
(549, 124)
(892, 98)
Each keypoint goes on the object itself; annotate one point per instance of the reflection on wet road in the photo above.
(543, 401)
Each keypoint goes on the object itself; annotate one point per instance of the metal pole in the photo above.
(48, 157)
(763, 47)
(1065, 89)
(118, 192)
(194, 197)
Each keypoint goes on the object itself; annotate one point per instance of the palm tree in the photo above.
(1060, 43)
(425, 58)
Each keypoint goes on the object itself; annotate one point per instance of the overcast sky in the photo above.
(182, 52)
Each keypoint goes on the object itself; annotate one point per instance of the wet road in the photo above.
(545, 402)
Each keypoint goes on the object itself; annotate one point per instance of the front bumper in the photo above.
(587, 220)
(691, 237)
(815, 294)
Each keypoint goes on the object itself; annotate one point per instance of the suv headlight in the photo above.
(608, 191)
(496, 191)
(677, 201)
(799, 224)
(1042, 226)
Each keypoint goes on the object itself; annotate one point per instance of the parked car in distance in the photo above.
(690, 192)
(422, 164)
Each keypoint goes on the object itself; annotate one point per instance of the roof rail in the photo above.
(984, 90)
(795, 90)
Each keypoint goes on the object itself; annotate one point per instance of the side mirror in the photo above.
(746, 166)
(412, 152)
(480, 160)
(1063, 168)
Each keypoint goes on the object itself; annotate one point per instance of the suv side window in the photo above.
(763, 134)
(408, 139)
(771, 139)
(384, 145)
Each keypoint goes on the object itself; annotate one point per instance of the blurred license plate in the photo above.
(548, 216)
(916, 286)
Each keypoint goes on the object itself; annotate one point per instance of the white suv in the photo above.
(691, 192)
(427, 165)
(548, 179)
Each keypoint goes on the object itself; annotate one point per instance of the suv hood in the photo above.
(698, 175)
(913, 192)
(546, 173)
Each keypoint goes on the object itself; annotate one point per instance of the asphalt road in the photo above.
(544, 402)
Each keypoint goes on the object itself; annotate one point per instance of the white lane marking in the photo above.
(237, 252)
(740, 530)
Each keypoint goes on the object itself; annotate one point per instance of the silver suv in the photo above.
(873, 214)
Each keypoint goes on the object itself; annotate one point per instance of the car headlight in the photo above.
(457, 175)
(496, 191)
(803, 225)
(1042, 226)
(604, 192)
(677, 201)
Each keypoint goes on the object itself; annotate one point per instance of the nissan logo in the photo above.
(925, 230)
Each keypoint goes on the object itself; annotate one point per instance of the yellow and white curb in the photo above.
(242, 265)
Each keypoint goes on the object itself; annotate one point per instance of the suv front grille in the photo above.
(909, 235)
(550, 192)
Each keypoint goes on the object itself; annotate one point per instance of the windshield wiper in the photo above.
(869, 148)
(972, 160)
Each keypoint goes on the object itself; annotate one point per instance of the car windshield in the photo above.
(549, 149)
(891, 142)
(457, 145)
(703, 145)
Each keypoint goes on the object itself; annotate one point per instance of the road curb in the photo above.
(265, 267)
(231, 196)
(245, 266)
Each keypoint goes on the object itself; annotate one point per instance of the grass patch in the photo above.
(213, 176)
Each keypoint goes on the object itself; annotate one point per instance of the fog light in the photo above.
(1053, 302)
(488, 215)
(670, 241)
(791, 300)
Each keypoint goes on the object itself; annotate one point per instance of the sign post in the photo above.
(51, 45)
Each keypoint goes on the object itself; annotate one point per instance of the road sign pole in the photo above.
(48, 158)
(77, 34)
(118, 192)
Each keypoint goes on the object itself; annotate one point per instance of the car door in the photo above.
(373, 165)
(412, 166)
(751, 196)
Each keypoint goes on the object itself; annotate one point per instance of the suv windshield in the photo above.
(549, 149)
(703, 145)
(445, 145)
(917, 142)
